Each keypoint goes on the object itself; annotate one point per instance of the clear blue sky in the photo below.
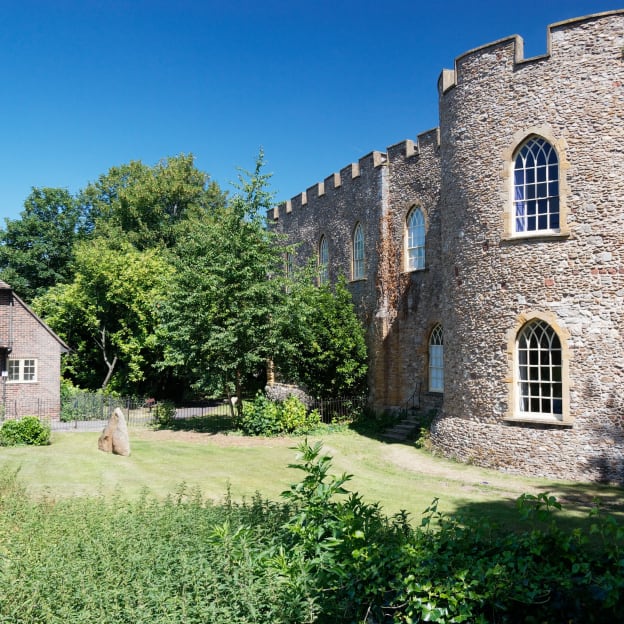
(90, 84)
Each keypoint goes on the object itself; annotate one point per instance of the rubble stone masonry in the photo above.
(481, 281)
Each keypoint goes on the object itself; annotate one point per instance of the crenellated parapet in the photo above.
(426, 234)
(342, 181)
(566, 42)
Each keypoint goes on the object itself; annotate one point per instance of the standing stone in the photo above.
(114, 438)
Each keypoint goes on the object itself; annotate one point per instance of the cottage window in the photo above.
(22, 370)
(415, 240)
(436, 360)
(536, 188)
(358, 253)
(539, 371)
(323, 261)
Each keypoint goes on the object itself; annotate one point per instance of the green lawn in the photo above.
(399, 476)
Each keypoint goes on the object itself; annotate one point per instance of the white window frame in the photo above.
(539, 372)
(436, 359)
(358, 257)
(536, 189)
(415, 240)
(323, 261)
(22, 370)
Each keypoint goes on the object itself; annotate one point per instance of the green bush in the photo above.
(164, 414)
(265, 417)
(365, 567)
(27, 431)
(261, 417)
(324, 555)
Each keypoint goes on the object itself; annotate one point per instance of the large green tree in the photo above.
(146, 204)
(107, 314)
(106, 311)
(36, 250)
(324, 345)
(220, 321)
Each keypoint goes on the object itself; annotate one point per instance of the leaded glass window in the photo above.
(536, 188)
(415, 240)
(323, 261)
(539, 370)
(436, 360)
(358, 252)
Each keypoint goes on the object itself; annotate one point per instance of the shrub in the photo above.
(260, 417)
(27, 431)
(265, 417)
(164, 414)
(366, 567)
(423, 438)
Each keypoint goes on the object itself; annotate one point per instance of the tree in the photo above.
(220, 320)
(147, 203)
(107, 314)
(326, 341)
(36, 250)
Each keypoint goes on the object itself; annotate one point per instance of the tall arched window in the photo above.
(539, 371)
(288, 265)
(415, 240)
(323, 260)
(358, 253)
(436, 360)
(536, 187)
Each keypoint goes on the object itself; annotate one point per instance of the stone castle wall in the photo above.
(574, 97)
(482, 282)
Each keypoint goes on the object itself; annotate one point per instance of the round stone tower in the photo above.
(532, 222)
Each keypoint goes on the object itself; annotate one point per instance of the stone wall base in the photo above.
(560, 453)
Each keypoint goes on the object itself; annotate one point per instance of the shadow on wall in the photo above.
(609, 468)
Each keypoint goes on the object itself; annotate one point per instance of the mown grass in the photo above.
(397, 476)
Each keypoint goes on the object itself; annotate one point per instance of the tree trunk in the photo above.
(239, 394)
(111, 367)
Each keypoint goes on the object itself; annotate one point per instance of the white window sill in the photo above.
(538, 420)
(536, 235)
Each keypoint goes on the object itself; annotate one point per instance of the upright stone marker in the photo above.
(114, 438)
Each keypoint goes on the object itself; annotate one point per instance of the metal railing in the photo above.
(88, 411)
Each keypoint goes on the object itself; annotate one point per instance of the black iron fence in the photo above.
(90, 411)
(339, 409)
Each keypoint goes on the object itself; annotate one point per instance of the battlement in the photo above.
(366, 165)
(507, 54)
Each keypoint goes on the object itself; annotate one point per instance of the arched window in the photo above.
(415, 240)
(536, 187)
(288, 265)
(436, 360)
(539, 370)
(323, 260)
(358, 253)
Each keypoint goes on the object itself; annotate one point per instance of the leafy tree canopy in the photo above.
(107, 314)
(36, 250)
(146, 203)
(326, 341)
(219, 322)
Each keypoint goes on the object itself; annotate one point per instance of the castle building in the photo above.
(486, 258)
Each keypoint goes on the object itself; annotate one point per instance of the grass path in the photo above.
(398, 476)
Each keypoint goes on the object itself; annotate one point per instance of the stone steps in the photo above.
(403, 429)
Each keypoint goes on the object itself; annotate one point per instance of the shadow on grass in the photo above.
(576, 500)
(200, 424)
